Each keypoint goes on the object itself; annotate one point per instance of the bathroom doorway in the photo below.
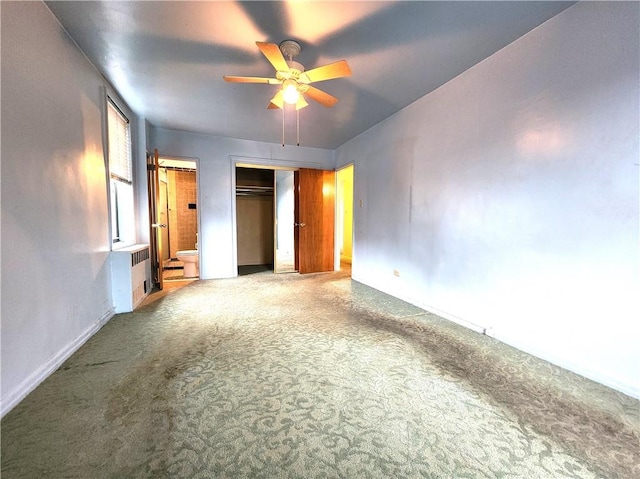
(178, 216)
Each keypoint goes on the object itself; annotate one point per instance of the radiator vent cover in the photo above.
(130, 268)
(139, 256)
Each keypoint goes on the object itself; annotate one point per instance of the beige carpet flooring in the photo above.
(315, 376)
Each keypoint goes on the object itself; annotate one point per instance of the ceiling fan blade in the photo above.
(274, 55)
(235, 79)
(328, 72)
(277, 101)
(321, 97)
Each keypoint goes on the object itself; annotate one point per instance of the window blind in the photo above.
(119, 145)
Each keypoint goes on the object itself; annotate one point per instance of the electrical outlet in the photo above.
(396, 273)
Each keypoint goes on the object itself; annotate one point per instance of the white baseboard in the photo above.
(44, 371)
(454, 319)
(597, 376)
(426, 307)
(589, 373)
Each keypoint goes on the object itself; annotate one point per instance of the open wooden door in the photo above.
(314, 218)
(155, 239)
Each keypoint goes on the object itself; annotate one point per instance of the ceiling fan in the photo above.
(294, 79)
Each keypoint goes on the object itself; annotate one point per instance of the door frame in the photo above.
(255, 162)
(198, 199)
(152, 197)
(337, 230)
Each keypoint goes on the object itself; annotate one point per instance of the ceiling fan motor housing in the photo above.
(290, 49)
(295, 66)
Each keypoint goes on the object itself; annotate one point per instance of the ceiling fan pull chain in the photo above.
(282, 126)
(298, 127)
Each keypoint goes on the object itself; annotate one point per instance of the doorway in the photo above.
(313, 207)
(255, 219)
(265, 220)
(344, 218)
(177, 209)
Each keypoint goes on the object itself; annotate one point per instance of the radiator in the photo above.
(129, 281)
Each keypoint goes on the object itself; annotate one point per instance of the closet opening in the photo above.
(265, 219)
(255, 219)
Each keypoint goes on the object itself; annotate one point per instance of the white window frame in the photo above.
(120, 173)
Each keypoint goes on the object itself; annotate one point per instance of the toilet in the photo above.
(190, 259)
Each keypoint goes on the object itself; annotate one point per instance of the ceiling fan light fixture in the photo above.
(294, 79)
(290, 92)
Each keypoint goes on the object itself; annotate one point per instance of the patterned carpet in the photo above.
(316, 376)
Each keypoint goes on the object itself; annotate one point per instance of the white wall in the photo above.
(216, 177)
(55, 286)
(285, 215)
(508, 198)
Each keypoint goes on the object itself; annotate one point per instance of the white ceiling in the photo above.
(167, 59)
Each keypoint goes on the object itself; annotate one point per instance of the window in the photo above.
(120, 176)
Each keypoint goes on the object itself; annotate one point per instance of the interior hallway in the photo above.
(295, 376)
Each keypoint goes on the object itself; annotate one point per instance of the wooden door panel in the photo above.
(296, 220)
(153, 185)
(157, 222)
(316, 211)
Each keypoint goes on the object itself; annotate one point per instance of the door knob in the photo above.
(301, 225)
(156, 225)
